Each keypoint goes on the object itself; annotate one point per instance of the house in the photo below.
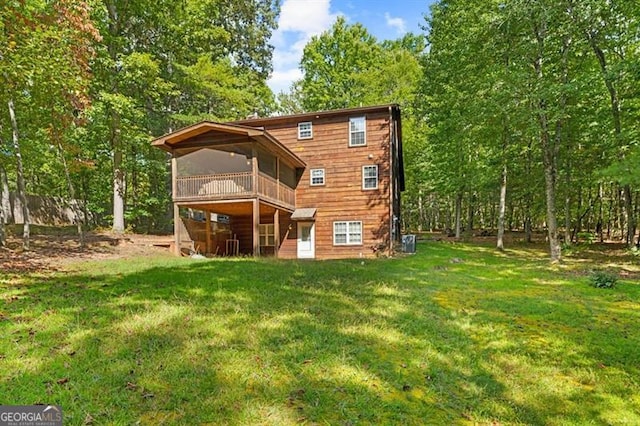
(315, 185)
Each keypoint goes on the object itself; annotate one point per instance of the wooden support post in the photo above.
(254, 169)
(256, 227)
(276, 232)
(277, 179)
(176, 229)
(176, 209)
(174, 175)
(208, 230)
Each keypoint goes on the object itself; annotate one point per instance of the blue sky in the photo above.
(302, 19)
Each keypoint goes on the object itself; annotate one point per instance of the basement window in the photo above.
(267, 235)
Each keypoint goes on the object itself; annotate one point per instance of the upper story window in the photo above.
(357, 133)
(305, 130)
(370, 177)
(317, 177)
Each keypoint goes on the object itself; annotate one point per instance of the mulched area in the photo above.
(49, 253)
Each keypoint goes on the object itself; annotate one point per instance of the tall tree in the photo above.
(165, 64)
(611, 30)
(334, 66)
(43, 96)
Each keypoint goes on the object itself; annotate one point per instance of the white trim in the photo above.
(348, 232)
(309, 130)
(352, 120)
(311, 176)
(364, 177)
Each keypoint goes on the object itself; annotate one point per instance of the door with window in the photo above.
(306, 240)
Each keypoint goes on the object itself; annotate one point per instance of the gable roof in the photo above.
(207, 131)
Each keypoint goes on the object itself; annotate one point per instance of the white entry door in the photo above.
(306, 240)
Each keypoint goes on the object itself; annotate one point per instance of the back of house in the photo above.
(315, 185)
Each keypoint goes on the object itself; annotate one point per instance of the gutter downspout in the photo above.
(391, 180)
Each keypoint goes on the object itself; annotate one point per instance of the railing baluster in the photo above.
(219, 186)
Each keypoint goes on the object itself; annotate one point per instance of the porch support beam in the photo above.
(176, 209)
(277, 179)
(256, 227)
(207, 221)
(176, 229)
(276, 232)
(254, 169)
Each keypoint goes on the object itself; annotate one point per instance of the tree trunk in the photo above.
(85, 201)
(20, 176)
(118, 192)
(549, 154)
(502, 208)
(599, 225)
(459, 214)
(420, 211)
(116, 139)
(610, 214)
(503, 183)
(527, 230)
(567, 206)
(579, 217)
(630, 217)
(435, 224)
(4, 203)
(118, 176)
(77, 211)
(552, 227)
(528, 199)
(470, 216)
(617, 127)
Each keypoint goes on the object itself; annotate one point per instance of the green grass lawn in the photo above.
(492, 339)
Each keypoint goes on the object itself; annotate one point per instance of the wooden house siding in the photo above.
(342, 197)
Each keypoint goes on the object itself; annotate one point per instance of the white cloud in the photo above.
(307, 17)
(299, 21)
(398, 23)
(285, 78)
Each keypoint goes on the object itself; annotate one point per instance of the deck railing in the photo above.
(232, 185)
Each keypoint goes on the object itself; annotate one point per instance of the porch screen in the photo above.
(210, 161)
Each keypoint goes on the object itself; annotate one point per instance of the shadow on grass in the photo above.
(340, 342)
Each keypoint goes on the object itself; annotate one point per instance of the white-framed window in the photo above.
(347, 233)
(357, 133)
(317, 177)
(370, 177)
(267, 235)
(305, 130)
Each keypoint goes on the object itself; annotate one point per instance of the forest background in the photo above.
(517, 115)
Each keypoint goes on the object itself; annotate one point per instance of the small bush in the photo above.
(587, 237)
(603, 279)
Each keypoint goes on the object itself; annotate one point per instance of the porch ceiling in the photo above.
(209, 133)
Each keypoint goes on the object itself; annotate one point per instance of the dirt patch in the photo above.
(50, 252)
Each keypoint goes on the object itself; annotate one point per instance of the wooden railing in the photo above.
(214, 186)
(221, 186)
(267, 186)
(286, 194)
